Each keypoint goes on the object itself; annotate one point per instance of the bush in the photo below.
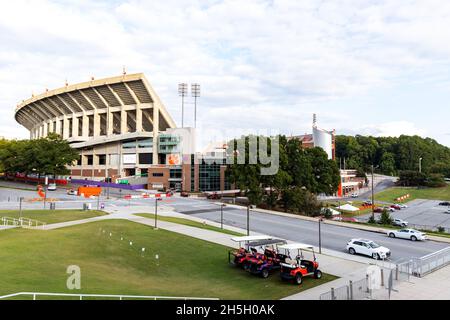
(441, 229)
(372, 220)
(327, 214)
(385, 218)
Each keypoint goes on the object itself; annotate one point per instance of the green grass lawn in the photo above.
(190, 223)
(52, 216)
(36, 261)
(389, 195)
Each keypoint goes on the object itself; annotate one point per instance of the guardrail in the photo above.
(82, 296)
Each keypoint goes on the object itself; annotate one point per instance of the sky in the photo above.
(377, 67)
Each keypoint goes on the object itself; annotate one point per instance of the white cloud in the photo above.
(260, 63)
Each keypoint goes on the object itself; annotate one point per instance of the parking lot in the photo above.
(422, 213)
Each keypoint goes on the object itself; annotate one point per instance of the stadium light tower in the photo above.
(183, 92)
(195, 90)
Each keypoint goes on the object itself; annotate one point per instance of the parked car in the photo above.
(399, 222)
(368, 248)
(396, 207)
(409, 234)
(445, 203)
(348, 219)
(378, 210)
(389, 209)
(214, 196)
(184, 194)
(448, 210)
(51, 187)
(355, 195)
(72, 192)
(401, 205)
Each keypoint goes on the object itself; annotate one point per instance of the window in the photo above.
(145, 158)
(90, 160)
(102, 159)
(158, 174)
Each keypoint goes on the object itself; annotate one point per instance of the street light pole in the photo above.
(221, 215)
(320, 236)
(248, 220)
(420, 164)
(156, 213)
(373, 197)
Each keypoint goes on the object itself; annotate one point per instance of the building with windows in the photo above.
(119, 125)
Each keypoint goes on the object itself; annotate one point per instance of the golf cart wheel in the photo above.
(376, 256)
(265, 273)
(318, 274)
(298, 278)
(351, 251)
(413, 238)
(246, 266)
(392, 235)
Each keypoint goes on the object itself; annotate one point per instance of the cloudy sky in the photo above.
(365, 67)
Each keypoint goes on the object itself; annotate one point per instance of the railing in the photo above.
(82, 296)
(429, 263)
(22, 222)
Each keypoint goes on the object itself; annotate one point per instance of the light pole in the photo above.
(373, 198)
(195, 90)
(221, 214)
(420, 164)
(248, 220)
(320, 235)
(20, 208)
(182, 92)
(156, 212)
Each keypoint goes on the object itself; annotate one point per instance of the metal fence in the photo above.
(422, 266)
(62, 296)
(361, 289)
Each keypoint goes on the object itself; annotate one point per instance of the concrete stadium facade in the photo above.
(119, 125)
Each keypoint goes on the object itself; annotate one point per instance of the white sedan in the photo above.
(368, 248)
(409, 234)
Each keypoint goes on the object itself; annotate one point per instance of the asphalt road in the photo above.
(333, 237)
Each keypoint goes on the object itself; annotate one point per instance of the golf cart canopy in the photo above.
(296, 246)
(251, 238)
(266, 242)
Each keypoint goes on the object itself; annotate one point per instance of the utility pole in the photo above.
(195, 89)
(20, 208)
(420, 164)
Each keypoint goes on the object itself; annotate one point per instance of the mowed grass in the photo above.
(389, 195)
(36, 261)
(52, 216)
(190, 223)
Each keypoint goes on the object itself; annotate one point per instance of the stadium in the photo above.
(119, 125)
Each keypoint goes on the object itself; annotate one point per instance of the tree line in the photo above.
(393, 155)
(302, 175)
(45, 156)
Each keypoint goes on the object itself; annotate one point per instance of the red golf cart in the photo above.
(296, 270)
(267, 259)
(239, 257)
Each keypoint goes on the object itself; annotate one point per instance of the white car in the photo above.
(51, 187)
(368, 248)
(401, 205)
(409, 234)
(355, 195)
(400, 223)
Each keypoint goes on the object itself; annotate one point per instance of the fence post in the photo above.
(333, 297)
(350, 286)
(396, 272)
(348, 292)
(367, 283)
(382, 277)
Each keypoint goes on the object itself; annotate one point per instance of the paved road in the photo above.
(333, 237)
